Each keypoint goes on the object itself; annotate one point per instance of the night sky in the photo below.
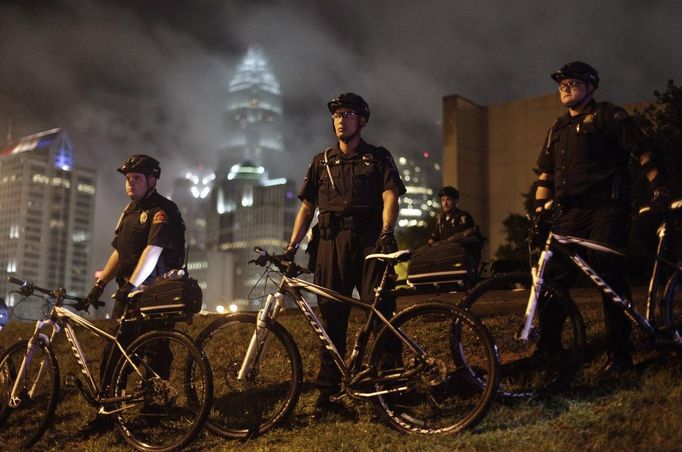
(150, 76)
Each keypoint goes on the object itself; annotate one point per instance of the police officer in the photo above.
(149, 240)
(453, 223)
(356, 187)
(584, 168)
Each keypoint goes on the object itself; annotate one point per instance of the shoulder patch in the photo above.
(159, 217)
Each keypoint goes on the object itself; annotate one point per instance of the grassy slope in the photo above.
(642, 409)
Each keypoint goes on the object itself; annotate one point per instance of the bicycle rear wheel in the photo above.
(23, 425)
(672, 309)
(545, 363)
(443, 393)
(265, 398)
(169, 400)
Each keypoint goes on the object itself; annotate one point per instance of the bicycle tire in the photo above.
(672, 308)
(22, 427)
(527, 369)
(174, 398)
(265, 399)
(442, 397)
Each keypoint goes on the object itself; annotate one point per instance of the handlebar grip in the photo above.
(17, 281)
(97, 304)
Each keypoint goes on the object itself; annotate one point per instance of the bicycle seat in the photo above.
(398, 256)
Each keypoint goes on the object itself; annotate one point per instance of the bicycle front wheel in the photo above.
(22, 425)
(434, 390)
(268, 394)
(166, 397)
(548, 360)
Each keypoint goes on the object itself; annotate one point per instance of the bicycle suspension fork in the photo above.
(15, 400)
(274, 303)
(537, 272)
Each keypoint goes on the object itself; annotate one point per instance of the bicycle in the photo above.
(155, 407)
(428, 389)
(527, 370)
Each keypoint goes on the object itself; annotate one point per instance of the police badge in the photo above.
(143, 217)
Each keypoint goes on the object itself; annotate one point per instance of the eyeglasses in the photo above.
(568, 86)
(344, 115)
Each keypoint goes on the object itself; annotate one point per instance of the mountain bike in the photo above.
(442, 382)
(156, 404)
(526, 369)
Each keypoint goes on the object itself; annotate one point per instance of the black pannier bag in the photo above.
(443, 263)
(171, 295)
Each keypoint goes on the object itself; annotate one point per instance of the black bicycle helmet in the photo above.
(352, 101)
(577, 70)
(140, 163)
(449, 191)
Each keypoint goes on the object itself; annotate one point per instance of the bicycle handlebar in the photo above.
(27, 289)
(289, 268)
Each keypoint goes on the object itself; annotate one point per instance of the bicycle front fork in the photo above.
(537, 273)
(15, 399)
(273, 306)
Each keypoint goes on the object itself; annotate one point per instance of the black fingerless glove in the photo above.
(123, 291)
(290, 253)
(386, 243)
(94, 295)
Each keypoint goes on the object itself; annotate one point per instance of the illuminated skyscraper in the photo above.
(421, 175)
(254, 113)
(248, 209)
(46, 215)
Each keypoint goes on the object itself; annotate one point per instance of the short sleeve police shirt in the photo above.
(153, 221)
(583, 152)
(358, 181)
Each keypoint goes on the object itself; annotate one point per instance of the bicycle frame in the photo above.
(292, 287)
(560, 243)
(61, 316)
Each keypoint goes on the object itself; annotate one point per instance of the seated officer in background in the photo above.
(453, 224)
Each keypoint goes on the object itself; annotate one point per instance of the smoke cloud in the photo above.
(151, 77)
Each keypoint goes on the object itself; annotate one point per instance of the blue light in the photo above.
(63, 159)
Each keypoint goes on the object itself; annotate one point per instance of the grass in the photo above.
(638, 410)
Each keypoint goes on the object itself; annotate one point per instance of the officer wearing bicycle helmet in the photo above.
(355, 186)
(149, 240)
(584, 168)
(453, 223)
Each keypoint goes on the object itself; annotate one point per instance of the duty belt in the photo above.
(349, 222)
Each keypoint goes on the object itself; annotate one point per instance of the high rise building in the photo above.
(420, 173)
(247, 210)
(253, 114)
(191, 193)
(46, 215)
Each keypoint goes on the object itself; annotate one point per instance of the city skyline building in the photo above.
(253, 114)
(46, 216)
(248, 209)
(421, 174)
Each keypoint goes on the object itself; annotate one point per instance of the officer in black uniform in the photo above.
(356, 187)
(149, 240)
(453, 223)
(584, 168)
